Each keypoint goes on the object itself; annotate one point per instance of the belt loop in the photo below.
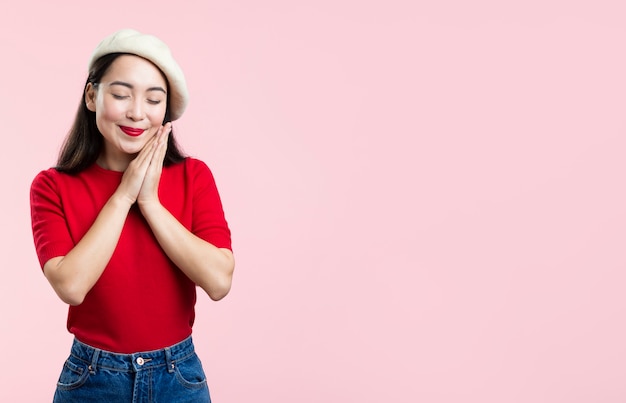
(94, 361)
(168, 360)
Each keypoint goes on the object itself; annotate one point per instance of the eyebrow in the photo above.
(125, 84)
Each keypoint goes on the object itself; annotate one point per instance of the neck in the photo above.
(114, 163)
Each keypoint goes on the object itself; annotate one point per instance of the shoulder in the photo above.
(46, 174)
(46, 178)
(54, 184)
(45, 187)
(190, 167)
(194, 164)
(54, 178)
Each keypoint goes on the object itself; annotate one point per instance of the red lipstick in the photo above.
(131, 131)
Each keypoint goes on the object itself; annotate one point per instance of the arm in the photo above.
(208, 266)
(73, 275)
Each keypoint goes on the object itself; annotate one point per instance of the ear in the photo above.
(90, 97)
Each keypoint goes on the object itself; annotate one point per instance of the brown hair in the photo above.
(84, 142)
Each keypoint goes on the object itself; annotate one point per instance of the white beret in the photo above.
(153, 49)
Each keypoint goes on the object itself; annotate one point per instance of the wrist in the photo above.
(149, 206)
(121, 201)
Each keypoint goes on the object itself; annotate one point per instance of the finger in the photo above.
(149, 188)
(145, 154)
(165, 135)
(164, 132)
(155, 164)
(161, 148)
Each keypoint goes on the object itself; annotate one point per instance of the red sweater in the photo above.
(142, 301)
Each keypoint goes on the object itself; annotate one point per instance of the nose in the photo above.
(135, 110)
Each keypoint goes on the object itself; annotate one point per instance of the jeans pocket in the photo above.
(72, 376)
(190, 374)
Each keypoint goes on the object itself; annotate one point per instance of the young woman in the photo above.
(125, 228)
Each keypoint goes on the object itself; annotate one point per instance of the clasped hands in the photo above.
(140, 182)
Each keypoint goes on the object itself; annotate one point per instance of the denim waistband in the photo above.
(97, 358)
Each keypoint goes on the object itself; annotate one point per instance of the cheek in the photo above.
(156, 116)
(110, 111)
(109, 117)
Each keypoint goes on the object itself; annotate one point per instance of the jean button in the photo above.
(140, 361)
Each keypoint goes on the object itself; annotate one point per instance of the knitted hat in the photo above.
(153, 49)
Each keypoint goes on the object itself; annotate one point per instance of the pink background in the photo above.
(427, 201)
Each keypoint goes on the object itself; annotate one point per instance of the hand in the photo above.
(134, 176)
(149, 192)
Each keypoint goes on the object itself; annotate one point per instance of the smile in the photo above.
(131, 131)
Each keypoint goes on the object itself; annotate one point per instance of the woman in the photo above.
(125, 227)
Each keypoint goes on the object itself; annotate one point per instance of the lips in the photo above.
(131, 131)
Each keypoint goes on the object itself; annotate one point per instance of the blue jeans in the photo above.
(173, 374)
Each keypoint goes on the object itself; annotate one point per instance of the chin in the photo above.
(131, 150)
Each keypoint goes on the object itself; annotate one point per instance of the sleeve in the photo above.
(209, 222)
(50, 230)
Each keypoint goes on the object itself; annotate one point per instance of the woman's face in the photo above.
(130, 103)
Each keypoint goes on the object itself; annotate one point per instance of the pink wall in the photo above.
(427, 201)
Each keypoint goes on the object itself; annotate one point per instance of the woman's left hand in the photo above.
(210, 267)
(149, 192)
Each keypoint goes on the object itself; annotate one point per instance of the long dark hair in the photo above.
(84, 142)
